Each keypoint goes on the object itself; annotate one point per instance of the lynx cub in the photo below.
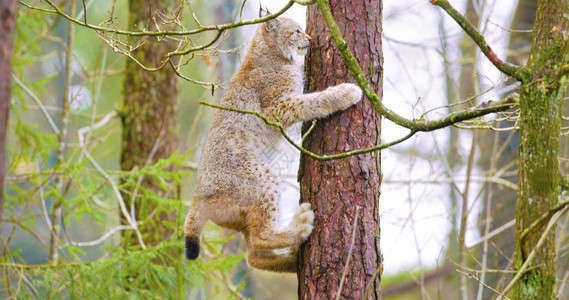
(236, 187)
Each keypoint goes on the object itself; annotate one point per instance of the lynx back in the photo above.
(236, 187)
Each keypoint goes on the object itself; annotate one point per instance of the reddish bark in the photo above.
(336, 188)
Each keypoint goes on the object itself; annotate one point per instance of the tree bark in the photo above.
(340, 189)
(8, 16)
(149, 118)
(541, 97)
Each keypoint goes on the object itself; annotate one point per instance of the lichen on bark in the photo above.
(541, 97)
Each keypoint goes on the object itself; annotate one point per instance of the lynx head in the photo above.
(290, 39)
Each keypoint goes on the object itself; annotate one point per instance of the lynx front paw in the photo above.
(348, 94)
(304, 220)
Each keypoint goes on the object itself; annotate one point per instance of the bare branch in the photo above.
(304, 2)
(103, 238)
(506, 68)
(564, 70)
(530, 257)
(541, 221)
(493, 233)
(218, 28)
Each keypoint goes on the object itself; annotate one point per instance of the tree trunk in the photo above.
(149, 119)
(500, 202)
(344, 193)
(467, 90)
(8, 15)
(541, 98)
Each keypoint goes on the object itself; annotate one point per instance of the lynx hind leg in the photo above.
(304, 220)
(269, 261)
(263, 218)
(264, 235)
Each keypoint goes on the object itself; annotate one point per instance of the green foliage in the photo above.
(143, 274)
(92, 263)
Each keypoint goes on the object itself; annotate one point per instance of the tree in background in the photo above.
(149, 122)
(93, 195)
(344, 193)
(8, 10)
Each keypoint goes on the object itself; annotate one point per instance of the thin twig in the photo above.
(309, 130)
(38, 102)
(218, 28)
(530, 257)
(103, 238)
(481, 282)
(63, 124)
(345, 272)
(494, 233)
(464, 219)
(122, 205)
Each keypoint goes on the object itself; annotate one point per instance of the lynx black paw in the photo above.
(192, 248)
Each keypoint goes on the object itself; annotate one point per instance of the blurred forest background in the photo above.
(85, 216)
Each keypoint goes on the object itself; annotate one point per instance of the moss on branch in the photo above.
(541, 221)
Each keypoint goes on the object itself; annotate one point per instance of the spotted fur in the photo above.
(236, 187)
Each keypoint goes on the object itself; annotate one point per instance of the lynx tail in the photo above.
(192, 231)
(192, 247)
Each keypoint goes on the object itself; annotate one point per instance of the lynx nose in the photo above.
(307, 36)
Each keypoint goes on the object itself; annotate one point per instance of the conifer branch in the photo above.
(564, 70)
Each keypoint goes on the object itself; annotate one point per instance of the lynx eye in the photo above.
(297, 31)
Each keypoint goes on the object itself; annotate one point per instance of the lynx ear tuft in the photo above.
(192, 248)
(263, 12)
(271, 24)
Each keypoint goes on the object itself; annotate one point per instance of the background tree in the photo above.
(149, 120)
(8, 10)
(344, 193)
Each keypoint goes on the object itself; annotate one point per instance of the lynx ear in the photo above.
(271, 24)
